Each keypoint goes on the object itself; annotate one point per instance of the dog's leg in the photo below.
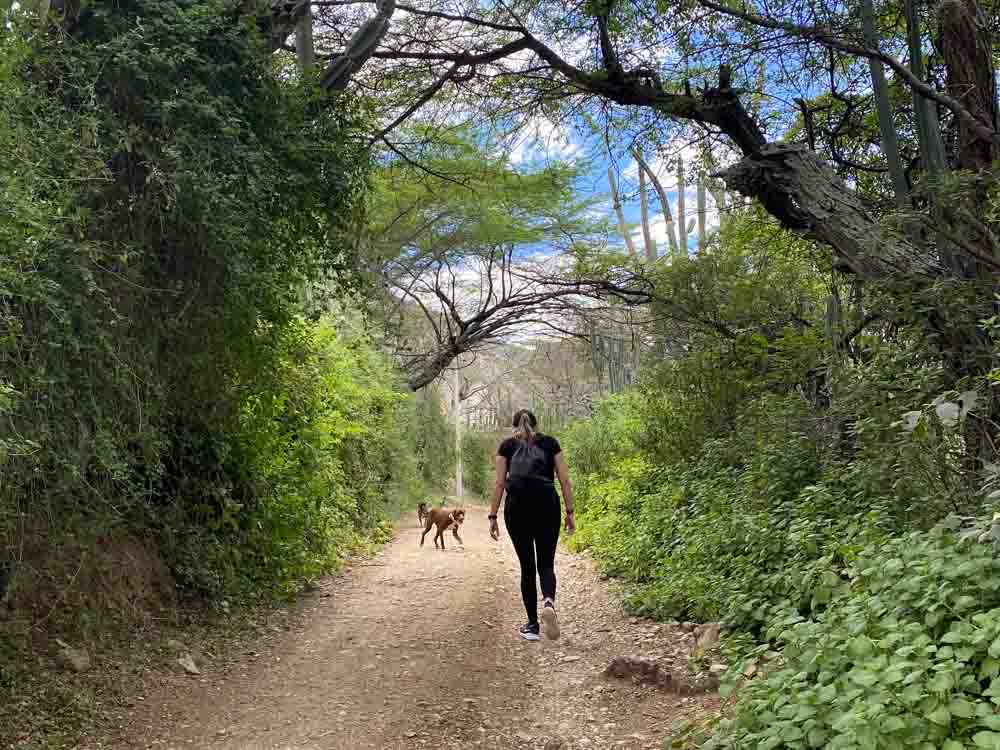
(427, 527)
(454, 530)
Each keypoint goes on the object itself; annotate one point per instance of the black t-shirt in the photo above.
(549, 445)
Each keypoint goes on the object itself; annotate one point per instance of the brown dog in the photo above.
(443, 518)
(422, 513)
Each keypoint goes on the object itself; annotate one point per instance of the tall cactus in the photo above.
(664, 201)
(928, 130)
(701, 213)
(647, 234)
(621, 214)
(682, 228)
(883, 109)
(359, 47)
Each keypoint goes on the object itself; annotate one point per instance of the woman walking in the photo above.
(526, 467)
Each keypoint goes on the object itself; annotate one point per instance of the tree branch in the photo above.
(823, 36)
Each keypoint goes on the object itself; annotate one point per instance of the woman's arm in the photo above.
(562, 471)
(498, 487)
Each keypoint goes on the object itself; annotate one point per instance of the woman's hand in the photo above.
(570, 523)
(494, 528)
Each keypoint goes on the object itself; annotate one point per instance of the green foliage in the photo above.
(327, 450)
(479, 450)
(434, 438)
(793, 490)
(166, 197)
(169, 199)
(906, 653)
(484, 201)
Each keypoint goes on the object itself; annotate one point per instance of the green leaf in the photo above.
(864, 677)
(961, 708)
(994, 649)
(990, 721)
(893, 724)
(987, 739)
(859, 647)
(942, 683)
(816, 737)
(940, 715)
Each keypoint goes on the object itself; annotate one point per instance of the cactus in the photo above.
(618, 210)
(359, 48)
(701, 213)
(883, 109)
(664, 201)
(928, 130)
(684, 230)
(644, 208)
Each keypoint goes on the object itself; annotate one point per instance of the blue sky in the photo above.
(555, 144)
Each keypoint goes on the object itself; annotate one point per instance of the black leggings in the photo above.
(533, 525)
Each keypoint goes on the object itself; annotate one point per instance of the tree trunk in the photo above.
(618, 210)
(806, 196)
(966, 46)
(304, 48)
(883, 109)
(967, 49)
(359, 47)
(459, 483)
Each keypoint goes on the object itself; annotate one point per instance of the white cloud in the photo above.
(541, 139)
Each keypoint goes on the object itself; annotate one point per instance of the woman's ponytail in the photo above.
(524, 424)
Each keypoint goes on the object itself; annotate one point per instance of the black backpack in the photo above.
(527, 471)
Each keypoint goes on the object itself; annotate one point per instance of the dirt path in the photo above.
(418, 648)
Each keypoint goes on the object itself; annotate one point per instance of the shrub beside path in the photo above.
(418, 648)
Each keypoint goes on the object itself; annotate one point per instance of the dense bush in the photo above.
(796, 495)
(169, 191)
(186, 415)
(905, 653)
(479, 450)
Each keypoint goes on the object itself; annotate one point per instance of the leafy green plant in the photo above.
(906, 653)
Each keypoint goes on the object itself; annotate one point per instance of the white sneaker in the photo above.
(550, 621)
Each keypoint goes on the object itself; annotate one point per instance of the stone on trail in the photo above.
(641, 670)
(187, 663)
(707, 637)
(74, 659)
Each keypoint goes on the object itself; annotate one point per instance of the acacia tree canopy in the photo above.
(731, 73)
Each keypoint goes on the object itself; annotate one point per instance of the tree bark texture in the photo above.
(966, 45)
(925, 116)
(806, 196)
(304, 48)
